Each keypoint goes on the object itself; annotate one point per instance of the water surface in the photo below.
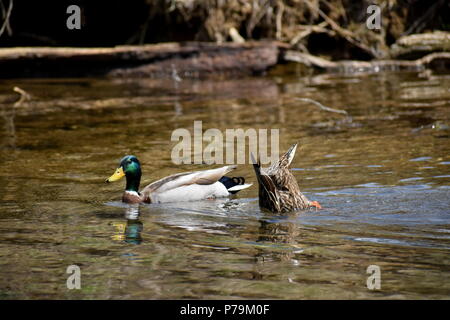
(381, 173)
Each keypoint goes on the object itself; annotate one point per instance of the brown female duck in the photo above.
(278, 189)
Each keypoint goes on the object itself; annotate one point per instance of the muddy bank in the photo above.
(336, 29)
(197, 38)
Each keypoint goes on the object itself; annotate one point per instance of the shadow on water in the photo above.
(381, 172)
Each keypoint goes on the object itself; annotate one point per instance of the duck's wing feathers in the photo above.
(203, 177)
(266, 185)
(285, 160)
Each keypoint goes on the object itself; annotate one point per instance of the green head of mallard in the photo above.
(129, 167)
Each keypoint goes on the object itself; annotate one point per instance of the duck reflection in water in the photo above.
(129, 231)
(282, 235)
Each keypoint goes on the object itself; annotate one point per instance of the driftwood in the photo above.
(418, 45)
(197, 59)
(159, 60)
(430, 50)
(437, 60)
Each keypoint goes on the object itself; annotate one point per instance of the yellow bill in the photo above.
(117, 175)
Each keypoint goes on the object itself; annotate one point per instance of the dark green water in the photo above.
(382, 176)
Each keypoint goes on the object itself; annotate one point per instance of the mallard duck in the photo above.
(186, 186)
(278, 189)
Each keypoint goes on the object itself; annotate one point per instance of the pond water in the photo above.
(381, 174)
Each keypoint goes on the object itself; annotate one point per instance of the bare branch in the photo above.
(24, 96)
(7, 15)
(321, 106)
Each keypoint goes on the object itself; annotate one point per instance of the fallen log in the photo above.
(186, 60)
(418, 45)
(194, 59)
(434, 61)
